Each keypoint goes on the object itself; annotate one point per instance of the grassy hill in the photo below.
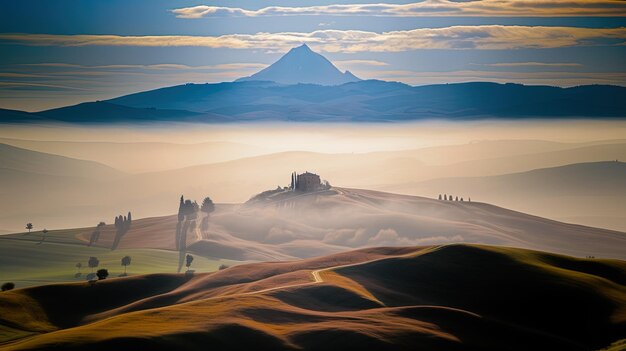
(27, 261)
(593, 193)
(454, 297)
(299, 226)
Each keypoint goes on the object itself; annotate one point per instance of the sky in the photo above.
(64, 52)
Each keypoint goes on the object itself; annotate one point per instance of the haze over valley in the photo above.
(440, 175)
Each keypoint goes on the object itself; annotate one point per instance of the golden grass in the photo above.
(441, 298)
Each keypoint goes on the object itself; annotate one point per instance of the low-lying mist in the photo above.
(152, 165)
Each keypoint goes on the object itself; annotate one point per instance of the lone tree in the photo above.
(189, 259)
(78, 267)
(44, 232)
(207, 205)
(125, 262)
(102, 273)
(29, 226)
(93, 263)
(8, 286)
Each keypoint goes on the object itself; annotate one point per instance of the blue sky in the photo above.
(56, 53)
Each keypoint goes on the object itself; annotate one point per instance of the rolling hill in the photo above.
(135, 157)
(18, 160)
(69, 196)
(582, 192)
(453, 297)
(309, 225)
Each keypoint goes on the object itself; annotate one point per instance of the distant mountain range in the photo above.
(305, 86)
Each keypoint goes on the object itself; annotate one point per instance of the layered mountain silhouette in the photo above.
(305, 86)
(302, 65)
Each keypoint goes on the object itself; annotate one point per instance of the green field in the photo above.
(26, 261)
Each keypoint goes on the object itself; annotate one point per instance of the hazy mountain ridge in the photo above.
(377, 101)
(363, 101)
(134, 157)
(27, 161)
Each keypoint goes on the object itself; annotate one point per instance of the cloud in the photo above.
(37, 85)
(483, 37)
(427, 8)
(360, 63)
(559, 78)
(529, 64)
(160, 66)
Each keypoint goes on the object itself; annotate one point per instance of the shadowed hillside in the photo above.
(457, 297)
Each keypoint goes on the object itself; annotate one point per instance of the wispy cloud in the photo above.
(36, 85)
(483, 37)
(160, 66)
(559, 78)
(511, 8)
(360, 63)
(529, 64)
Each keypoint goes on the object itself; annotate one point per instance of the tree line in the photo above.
(122, 225)
(446, 197)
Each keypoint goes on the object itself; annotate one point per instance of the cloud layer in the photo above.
(484, 37)
(427, 8)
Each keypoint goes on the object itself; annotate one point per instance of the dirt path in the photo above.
(315, 274)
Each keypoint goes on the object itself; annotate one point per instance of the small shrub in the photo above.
(102, 273)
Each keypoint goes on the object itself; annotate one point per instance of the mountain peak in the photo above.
(302, 65)
(303, 47)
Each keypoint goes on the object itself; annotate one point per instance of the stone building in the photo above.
(305, 182)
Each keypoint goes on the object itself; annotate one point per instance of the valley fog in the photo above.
(146, 168)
